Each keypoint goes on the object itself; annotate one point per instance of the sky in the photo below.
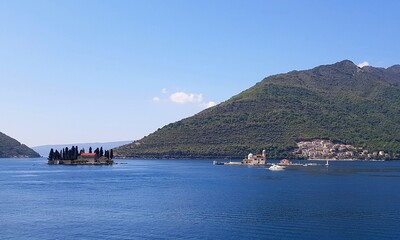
(96, 71)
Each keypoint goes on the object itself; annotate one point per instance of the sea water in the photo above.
(193, 199)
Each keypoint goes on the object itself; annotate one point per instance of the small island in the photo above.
(71, 156)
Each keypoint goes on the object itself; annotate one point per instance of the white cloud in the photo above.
(209, 104)
(363, 64)
(182, 97)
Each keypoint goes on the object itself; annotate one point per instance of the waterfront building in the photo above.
(255, 159)
(87, 157)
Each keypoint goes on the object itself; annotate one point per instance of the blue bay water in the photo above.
(193, 199)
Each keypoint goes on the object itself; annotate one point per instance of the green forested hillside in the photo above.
(358, 106)
(10, 147)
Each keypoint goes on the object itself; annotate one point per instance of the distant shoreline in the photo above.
(350, 160)
(233, 159)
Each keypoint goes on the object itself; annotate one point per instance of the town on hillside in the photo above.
(318, 149)
(71, 156)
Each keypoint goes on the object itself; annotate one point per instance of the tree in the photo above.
(97, 151)
(72, 153)
(90, 149)
(66, 154)
(76, 152)
(51, 155)
(111, 154)
(57, 155)
(101, 151)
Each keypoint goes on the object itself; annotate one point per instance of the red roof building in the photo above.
(88, 155)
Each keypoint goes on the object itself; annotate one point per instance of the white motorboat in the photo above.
(275, 167)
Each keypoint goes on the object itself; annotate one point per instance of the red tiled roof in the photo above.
(88, 154)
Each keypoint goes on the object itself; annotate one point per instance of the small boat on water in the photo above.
(275, 167)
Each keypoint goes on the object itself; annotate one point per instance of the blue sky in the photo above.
(86, 71)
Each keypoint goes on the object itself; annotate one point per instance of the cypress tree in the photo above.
(72, 154)
(51, 155)
(111, 154)
(66, 154)
(97, 151)
(101, 151)
(76, 152)
(90, 149)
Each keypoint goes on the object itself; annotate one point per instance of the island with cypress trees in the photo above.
(71, 156)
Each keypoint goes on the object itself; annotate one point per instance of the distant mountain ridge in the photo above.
(44, 150)
(341, 101)
(9, 148)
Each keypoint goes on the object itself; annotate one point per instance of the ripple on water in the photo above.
(196, 200)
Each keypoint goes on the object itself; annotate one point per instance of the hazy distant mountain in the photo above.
(358, 106)
(45, 149)
(9, 147)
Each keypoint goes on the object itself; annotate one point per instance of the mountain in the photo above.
(9, 147)
(341, 102)
(44, 150)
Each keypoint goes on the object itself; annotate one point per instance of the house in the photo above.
(285, 162)
(87, 158)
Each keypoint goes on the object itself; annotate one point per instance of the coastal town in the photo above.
(319, 149)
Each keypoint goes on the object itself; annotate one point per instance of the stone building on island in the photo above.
(255, 159)
(89, 158)
(72, 157)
